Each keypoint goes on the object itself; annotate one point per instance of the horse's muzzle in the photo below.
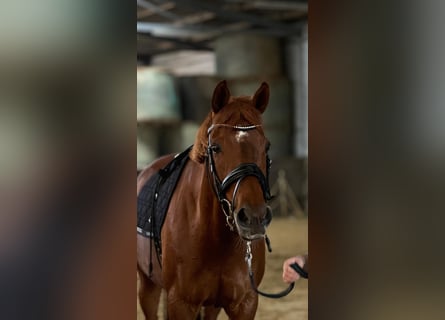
(252, 224)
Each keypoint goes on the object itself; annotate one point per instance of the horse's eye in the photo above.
(215, 148)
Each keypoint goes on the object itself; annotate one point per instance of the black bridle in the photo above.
(236, 176)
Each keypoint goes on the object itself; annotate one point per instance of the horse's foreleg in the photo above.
(149, 294)
(246, 310)
(177, 309)
(211, 313)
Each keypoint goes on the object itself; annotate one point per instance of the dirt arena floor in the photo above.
(288, 237)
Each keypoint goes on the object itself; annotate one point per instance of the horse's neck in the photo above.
(208, 207)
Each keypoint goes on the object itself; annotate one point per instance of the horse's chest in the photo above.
(221, 288)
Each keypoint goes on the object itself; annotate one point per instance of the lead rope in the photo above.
(278, 295)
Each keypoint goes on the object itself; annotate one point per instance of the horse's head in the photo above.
(232, 144)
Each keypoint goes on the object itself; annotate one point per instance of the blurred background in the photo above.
(185, 48)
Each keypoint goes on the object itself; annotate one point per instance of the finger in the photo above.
(297, 259)
(291, 271)
(291, 276)
(286, 277)
(300, 261)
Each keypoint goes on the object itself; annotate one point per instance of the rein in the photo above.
(236, 176)
(278, 295)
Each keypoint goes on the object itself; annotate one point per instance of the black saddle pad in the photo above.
(155, 196)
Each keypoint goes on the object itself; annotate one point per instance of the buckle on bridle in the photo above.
(227, 209)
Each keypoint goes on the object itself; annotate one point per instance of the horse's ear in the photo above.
(261, 97)
(220, 97)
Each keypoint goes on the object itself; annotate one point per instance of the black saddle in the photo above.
(154, 198)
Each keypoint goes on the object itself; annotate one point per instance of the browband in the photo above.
(242, 128)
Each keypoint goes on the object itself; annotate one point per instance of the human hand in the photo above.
(289, 274)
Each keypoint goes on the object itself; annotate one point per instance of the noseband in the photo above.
(235, 176)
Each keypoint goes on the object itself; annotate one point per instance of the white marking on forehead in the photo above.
(241, 134)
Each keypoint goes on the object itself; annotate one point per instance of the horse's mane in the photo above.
(238, 111)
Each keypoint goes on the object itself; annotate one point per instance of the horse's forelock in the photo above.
(240, 111)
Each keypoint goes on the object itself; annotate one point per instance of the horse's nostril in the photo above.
(242, 216)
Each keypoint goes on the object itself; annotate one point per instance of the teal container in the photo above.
(157, 96)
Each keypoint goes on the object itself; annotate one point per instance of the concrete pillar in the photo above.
(297, 66)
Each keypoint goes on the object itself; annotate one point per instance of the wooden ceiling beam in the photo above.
(145, 13)
(160, 10)
(278, 5)
(217, 7)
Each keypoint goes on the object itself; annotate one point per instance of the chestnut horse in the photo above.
(211, 219)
